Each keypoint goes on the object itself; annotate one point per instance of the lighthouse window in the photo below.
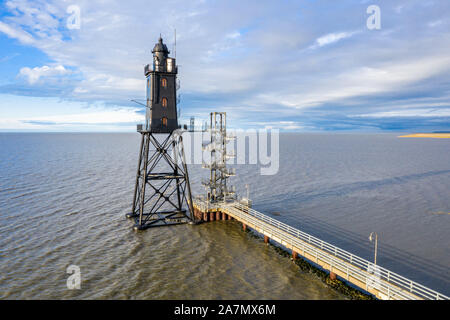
(164, 102)
(164, 121)
(164, 82)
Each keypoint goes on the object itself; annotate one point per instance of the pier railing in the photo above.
(388, 284)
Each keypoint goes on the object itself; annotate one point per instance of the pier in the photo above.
(381, 282)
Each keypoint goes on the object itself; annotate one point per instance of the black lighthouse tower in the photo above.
(162, 194)
(162, 91)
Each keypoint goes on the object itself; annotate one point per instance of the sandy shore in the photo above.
(427, 135)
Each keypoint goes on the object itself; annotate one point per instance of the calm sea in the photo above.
(63, 198)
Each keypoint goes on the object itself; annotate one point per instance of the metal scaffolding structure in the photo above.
(217, 187)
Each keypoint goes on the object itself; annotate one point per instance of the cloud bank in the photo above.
(296, 65)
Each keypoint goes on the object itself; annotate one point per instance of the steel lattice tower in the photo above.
(162, 190)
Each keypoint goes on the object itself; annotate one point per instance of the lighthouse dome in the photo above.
(160, 47)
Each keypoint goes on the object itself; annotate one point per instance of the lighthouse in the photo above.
(162, 192)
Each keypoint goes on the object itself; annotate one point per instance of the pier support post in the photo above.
(224, 216)
(244, 227)
(332, 275)
(217, 215)
(266, 239)
(205, 216)
(211, 216)
(294, 255)
(229, 217)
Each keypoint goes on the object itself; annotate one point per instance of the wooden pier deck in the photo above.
(382, 283)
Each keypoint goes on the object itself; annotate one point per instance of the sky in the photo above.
(303, 65)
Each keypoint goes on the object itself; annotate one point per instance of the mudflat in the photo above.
(427, 135)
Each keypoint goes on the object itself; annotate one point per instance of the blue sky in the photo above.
(306, 65)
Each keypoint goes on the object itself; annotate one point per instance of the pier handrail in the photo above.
(391, 284)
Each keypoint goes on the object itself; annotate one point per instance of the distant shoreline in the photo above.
(427, 135)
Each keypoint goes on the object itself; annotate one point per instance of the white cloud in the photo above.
(33, 75)
(361, 81)
(289, 125)
(412, 113)
(102, 119)
(18, 34)
(9, 57)
(332, 38)
(436, 23)
(106, 116)
(233, 35)
(281, 125)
